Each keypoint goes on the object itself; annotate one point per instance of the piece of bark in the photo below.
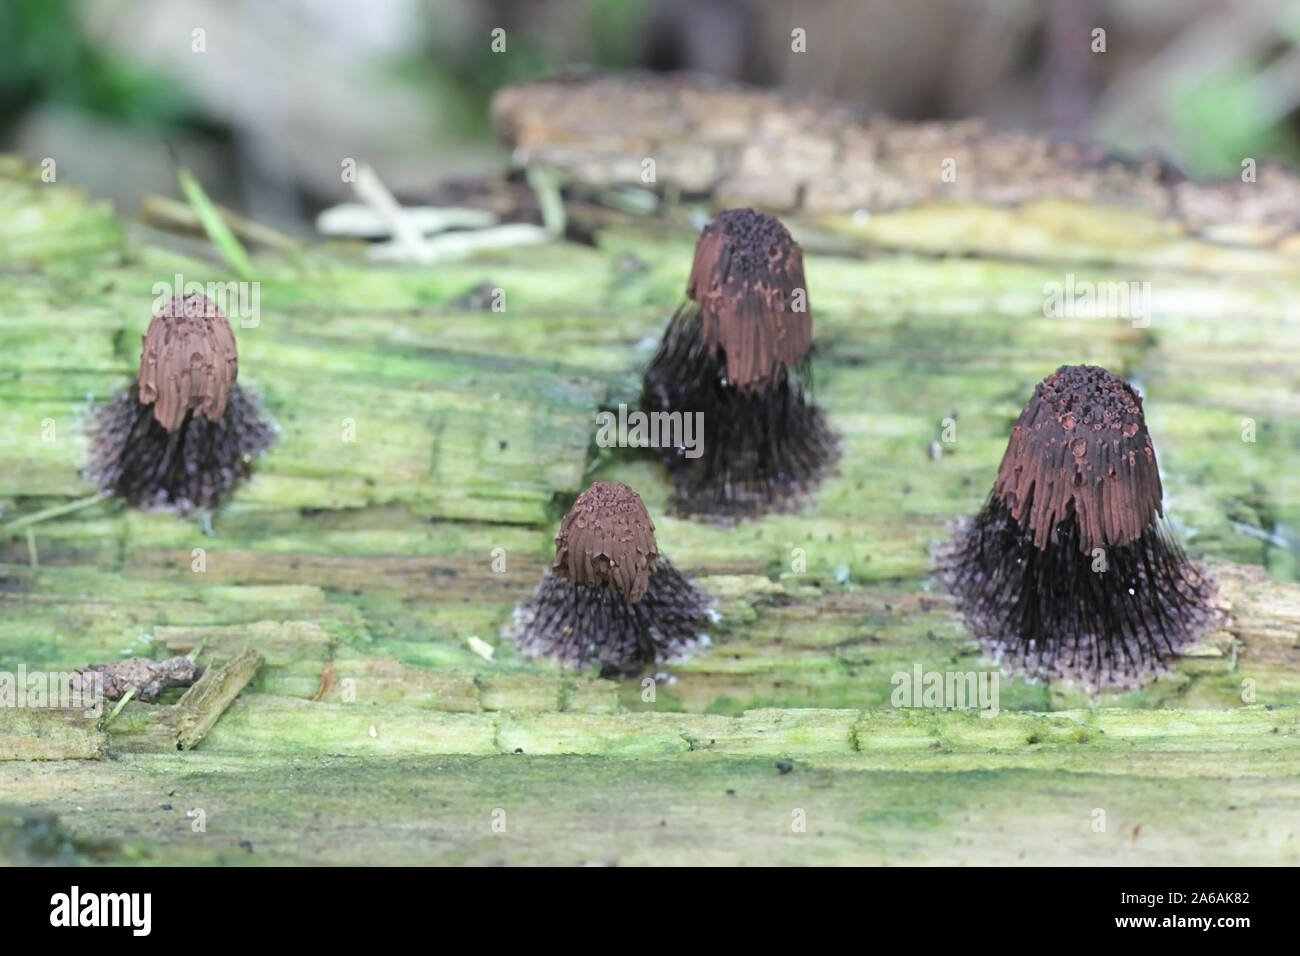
(149, 678)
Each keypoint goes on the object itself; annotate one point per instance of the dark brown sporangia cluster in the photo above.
(746, 275)
(610, 598)
(185, 433)
(737, 352)
(189, 363)
(608, 539)
(1066, 571)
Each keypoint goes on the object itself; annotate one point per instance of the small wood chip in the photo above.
(328, 678)
(149, 678)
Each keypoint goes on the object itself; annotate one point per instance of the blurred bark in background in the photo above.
(284, 91)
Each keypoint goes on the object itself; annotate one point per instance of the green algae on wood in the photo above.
(51, 733)
(932, 808)
(42, 223)
(377, 560)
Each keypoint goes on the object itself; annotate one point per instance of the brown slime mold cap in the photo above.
(188, 362)
(1081, 445)
(607, 538)
(746, 270)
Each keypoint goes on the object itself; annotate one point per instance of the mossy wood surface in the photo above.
(345, 717)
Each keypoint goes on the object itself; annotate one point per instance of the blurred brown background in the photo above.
(265, 98)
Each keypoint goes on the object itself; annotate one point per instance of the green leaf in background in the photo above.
(1225, 117)
(43, 56)
(214, 226)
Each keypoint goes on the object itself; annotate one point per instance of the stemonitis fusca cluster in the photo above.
(737, 352)
(610, 598)
(1066, 571)
(184, 434)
